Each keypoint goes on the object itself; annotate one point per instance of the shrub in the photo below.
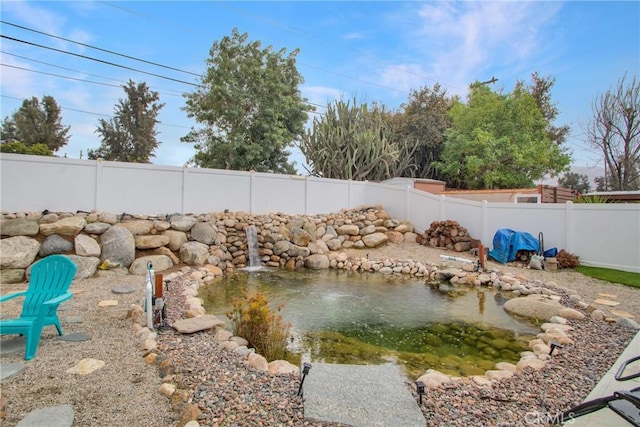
(253, 320)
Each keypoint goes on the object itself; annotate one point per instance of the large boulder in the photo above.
(55, 244)
(96, 227)
(374, 240)
(69, 226)
(19, 227)
(18, 252)
(182, 222)
(86, 266)
(194, 253)
(534, 306)
(118, 246)
(176, 239)
(204, 232)
(138, 227)
(151, 241)
(317, 262)
(86, 246)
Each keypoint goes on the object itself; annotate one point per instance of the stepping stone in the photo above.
(66, 305)
(622, 313)
(7, 370)
(108, 303)
(74, 337)
(123, 289)
(195, 324)
(610, 296)
(606, 302)
(53, 416)
(360, 395)
(13, 345)
(72, 319)
(86, 366)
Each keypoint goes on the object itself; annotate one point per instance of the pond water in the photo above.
(368, 318)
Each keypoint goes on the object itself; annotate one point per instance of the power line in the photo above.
(95, 114)
(71, 78)
(100, 49)
(98, 60)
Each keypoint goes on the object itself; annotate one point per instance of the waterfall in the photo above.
(252, 247)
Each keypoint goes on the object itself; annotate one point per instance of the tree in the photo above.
(615, 132)
(499, 141)
(540, 89)
(37, 123)
(575, 181)
(18, 147)
(130, 136)
(352, 141)
(424, 120)
(250, 105)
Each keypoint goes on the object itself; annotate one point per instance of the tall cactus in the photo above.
(352, 142)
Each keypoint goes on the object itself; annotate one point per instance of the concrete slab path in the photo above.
(360, 396)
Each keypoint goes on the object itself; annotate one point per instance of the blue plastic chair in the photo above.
(48, 287)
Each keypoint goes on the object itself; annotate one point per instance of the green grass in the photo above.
(613, 276)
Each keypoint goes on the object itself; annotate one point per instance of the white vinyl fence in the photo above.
(604, 235)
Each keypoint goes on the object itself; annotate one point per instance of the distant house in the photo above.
(538, 194)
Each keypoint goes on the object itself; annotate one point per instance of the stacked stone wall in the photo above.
(123, 244)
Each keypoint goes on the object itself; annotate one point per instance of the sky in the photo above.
(369, 51)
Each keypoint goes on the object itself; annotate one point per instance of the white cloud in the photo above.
(460, 42)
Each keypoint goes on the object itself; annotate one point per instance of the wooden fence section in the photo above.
(549, 194)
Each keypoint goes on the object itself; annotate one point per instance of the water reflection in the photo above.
(364, 318)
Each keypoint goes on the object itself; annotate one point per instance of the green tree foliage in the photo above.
(423, 121)
(499, 141)
(37, 122)
(615, 132)
(18, 147)
(250, 105)
(352, 141)
(130, 136)
(540, 89)
(575, 181)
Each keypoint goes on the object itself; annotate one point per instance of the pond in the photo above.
(369, 318)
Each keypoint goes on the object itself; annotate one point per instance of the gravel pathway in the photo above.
(228, 393)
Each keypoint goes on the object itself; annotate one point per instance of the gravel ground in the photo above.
(125, 391)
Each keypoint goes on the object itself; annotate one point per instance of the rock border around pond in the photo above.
(544, 302)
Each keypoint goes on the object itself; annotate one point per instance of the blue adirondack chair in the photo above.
(48, 287)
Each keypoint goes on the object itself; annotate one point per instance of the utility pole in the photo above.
(492, 81)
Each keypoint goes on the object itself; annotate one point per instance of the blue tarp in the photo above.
(507, 243)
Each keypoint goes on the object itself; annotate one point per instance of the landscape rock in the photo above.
(18, 252)
(195, 324)
(86, 246)
(19, 227)
(194, 253)
(96, 227)
(317, 262)
(533, 307)
(151, 241)
(55, 244)
(86, 266)
(70, 226)
(118, 246)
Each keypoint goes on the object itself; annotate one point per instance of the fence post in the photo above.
(483, 223)
(185, 169)
(442, 207)
(97, 198)
(569, 226)
(251, 192)
(407, 193)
